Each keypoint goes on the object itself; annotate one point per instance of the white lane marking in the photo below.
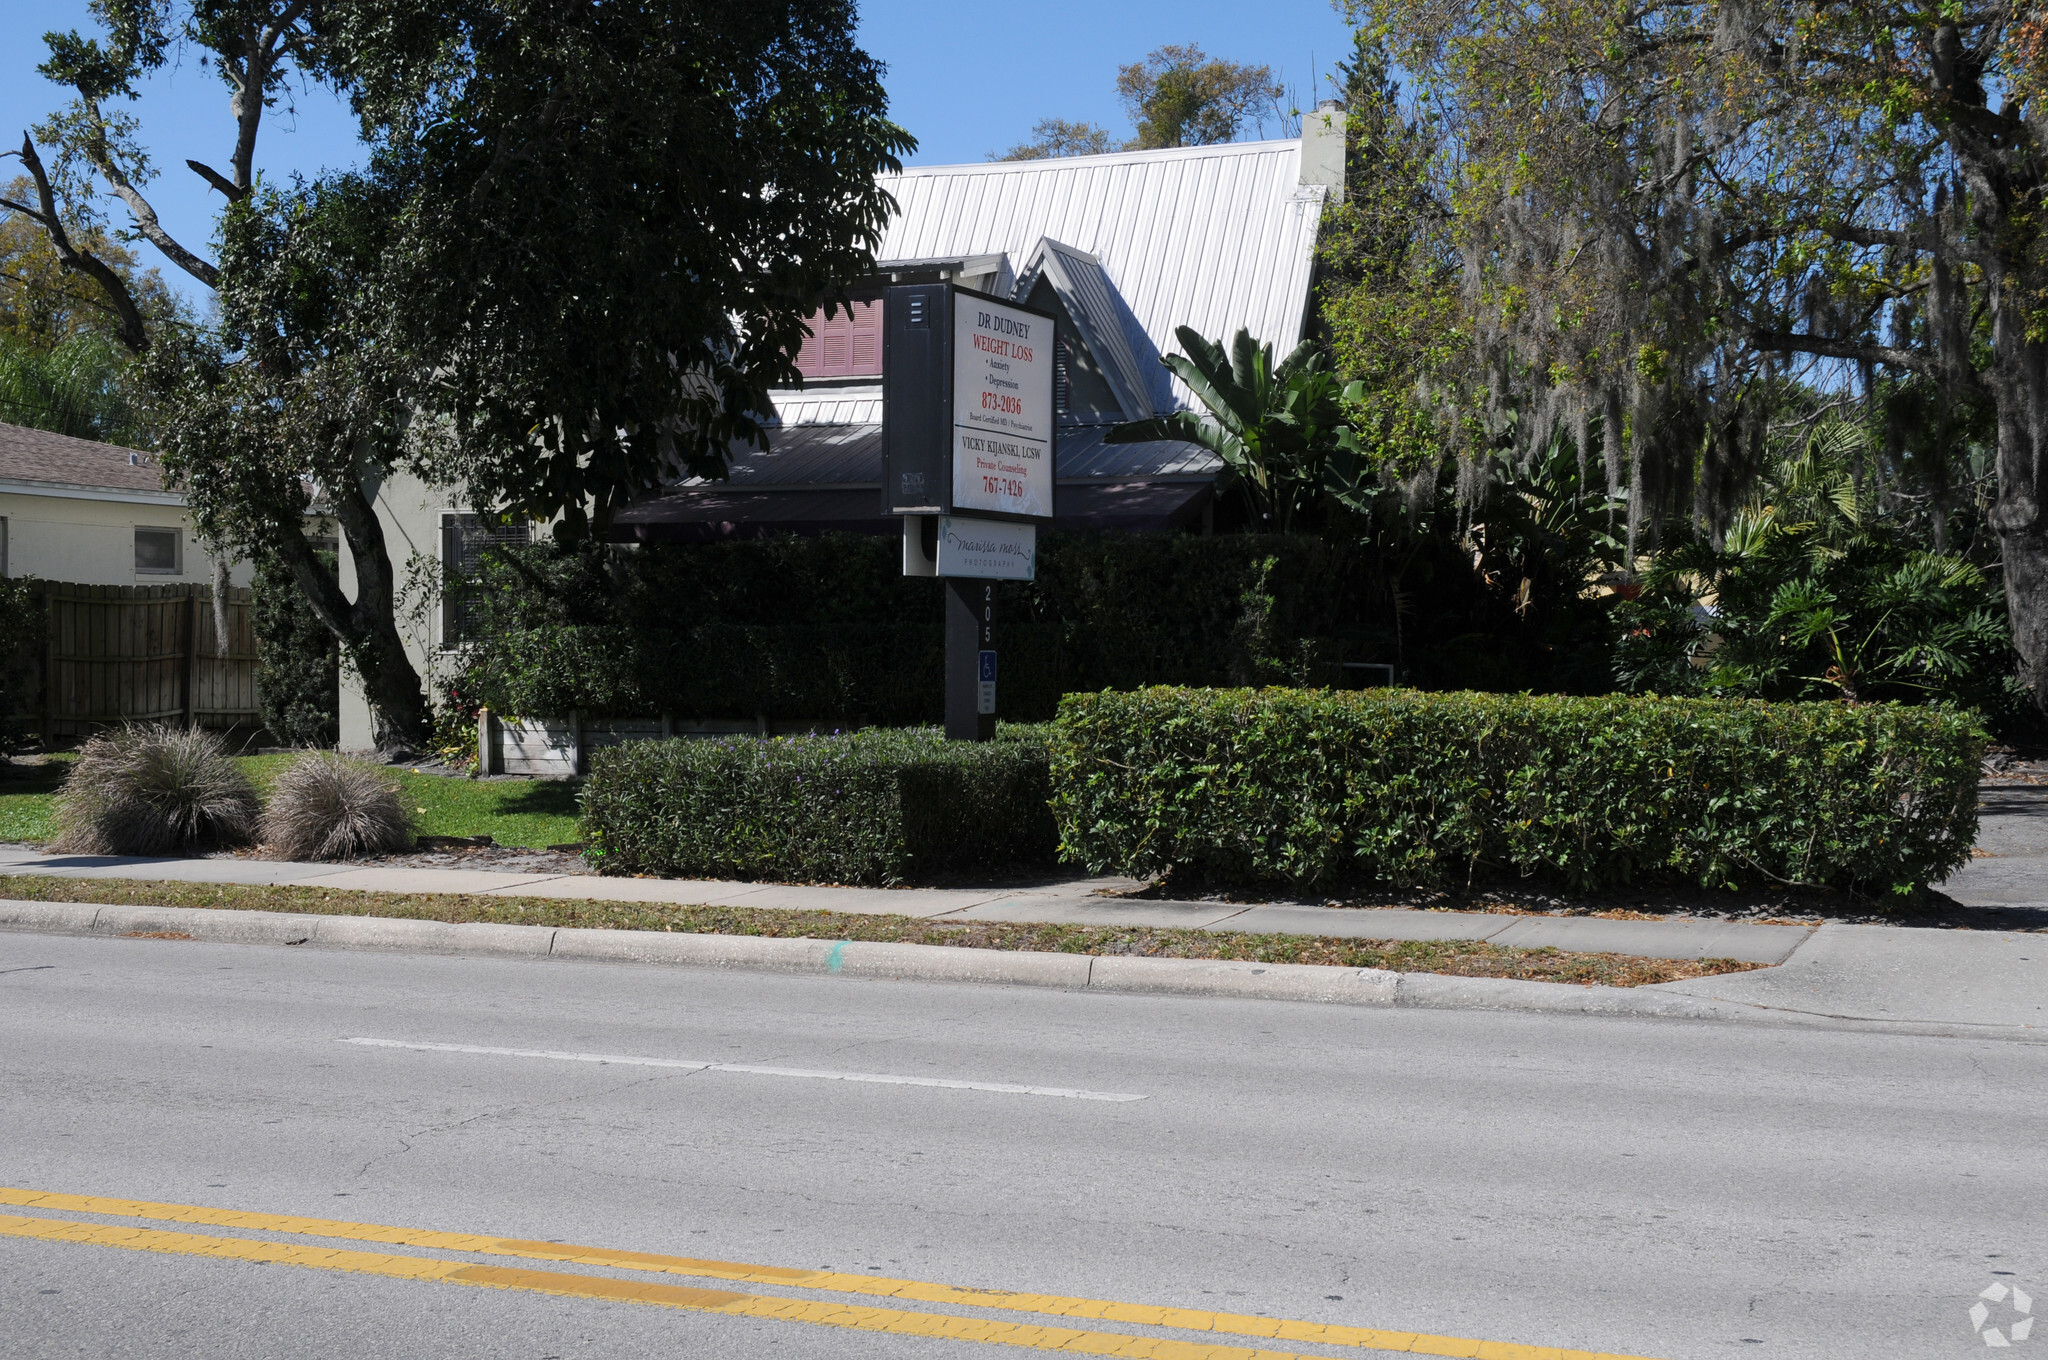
(693, 1065)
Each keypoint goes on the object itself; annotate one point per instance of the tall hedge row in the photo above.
(828, 629)
(1310, 788)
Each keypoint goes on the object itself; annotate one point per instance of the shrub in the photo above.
(155, 791)
(879, 806)
(1428, 790)
(325, 806)
(455, 718)
(298, 678)
(21, 640)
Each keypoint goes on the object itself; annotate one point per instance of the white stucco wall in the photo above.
(410, 511)
(89, 538)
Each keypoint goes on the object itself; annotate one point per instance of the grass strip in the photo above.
(1459, 958)
(528, 812)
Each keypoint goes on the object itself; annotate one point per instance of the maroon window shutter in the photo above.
(865, 333)
(844, 346)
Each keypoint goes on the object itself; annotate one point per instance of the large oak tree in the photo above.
(1670, 211)
(580, 255)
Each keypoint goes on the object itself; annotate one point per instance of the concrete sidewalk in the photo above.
(2010, 863)
(1945, 981)
(1074, 902)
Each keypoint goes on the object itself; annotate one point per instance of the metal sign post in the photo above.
(969, 435)
(970, 644)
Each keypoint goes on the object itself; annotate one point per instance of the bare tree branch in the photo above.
(145, 216)
(1784, 342)
(134, 334)
(233, 192)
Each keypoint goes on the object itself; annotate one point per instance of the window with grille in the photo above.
(848, 345)
(464, 539)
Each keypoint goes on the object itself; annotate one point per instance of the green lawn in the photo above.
(511, 811)
(27, 795)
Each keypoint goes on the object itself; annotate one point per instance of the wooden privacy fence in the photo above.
(114, 654)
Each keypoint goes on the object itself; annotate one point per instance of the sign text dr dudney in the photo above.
(1002, 408)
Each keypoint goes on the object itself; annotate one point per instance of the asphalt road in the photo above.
(1651, 1188)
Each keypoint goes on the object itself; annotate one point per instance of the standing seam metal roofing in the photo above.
(1105, 324)
(1213, 237)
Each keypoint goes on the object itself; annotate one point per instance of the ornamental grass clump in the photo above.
(155, 790)
(325, 806)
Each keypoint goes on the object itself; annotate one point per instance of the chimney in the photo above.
(1322, 147)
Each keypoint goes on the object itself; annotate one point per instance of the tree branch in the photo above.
(233, 192)
(151, 229)
(252, 82)
(1782, 342)
(134, 334)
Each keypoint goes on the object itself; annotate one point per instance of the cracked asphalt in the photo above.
(1663, 1189)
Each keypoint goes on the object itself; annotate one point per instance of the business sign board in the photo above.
(990, 549)
(1003, 414)
(969, 421)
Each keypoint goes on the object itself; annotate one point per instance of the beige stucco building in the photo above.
(94, 514)
(427, 531)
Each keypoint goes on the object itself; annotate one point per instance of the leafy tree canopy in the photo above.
(614, 220)
(1181, 96)
(1672, 220)
(1058, 137)
(581, 253)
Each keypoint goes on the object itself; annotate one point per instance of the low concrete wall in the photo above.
(560, 747)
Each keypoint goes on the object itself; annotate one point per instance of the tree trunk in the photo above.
(2019, 385)
(2016, 518)
(368, 625)
(2026, 597)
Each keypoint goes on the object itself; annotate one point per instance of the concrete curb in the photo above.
(930, 963)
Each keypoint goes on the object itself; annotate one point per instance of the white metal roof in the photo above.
(1214, 237)
(849, 405)
(1104, 323)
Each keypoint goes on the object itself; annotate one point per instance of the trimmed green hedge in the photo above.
(880, 806)
(1312, 788)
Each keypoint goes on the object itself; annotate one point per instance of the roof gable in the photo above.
(1114, 339)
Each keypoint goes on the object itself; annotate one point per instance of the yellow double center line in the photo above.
(823, 1313)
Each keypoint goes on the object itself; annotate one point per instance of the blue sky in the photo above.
(1058, 58)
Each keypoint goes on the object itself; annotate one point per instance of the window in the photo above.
(463, 541)
(848, 345)
(157, 552)
(3, 545)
